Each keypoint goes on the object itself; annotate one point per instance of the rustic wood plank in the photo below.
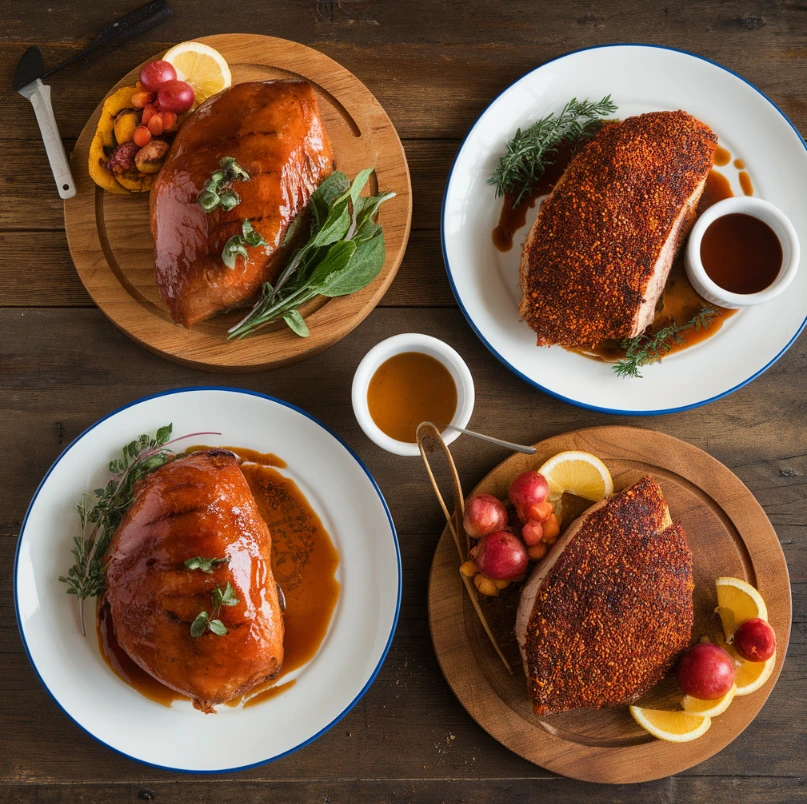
(25, 171)
(37, 271)
(434, 68)
(429, 88)
(447, 791)
(63, 369)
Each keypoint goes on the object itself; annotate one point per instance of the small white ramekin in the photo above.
(411, 342)
(767, 213)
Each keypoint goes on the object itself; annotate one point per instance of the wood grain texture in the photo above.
(111, 245)
(728, 534)
(434, 65)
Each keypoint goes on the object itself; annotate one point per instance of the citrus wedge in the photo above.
(696, 706)
(204, 68)
(675, 727)
(579, 473)
(750, 676)
(738, 601)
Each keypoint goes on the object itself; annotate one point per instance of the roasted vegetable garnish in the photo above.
(117, 163)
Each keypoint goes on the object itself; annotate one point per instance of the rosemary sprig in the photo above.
(644, 350)
(530, 151)
(102, 511)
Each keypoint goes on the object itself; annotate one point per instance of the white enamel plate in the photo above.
(180, 738)
(640, 78)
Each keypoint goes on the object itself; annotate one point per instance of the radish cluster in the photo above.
(503, 552)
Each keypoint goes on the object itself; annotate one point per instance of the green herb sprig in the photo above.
(206, 565)
(102, 511)
(529, 152)
(344, 252)
(204, 621)
(237, 244)
(218, 191)
(644, 350)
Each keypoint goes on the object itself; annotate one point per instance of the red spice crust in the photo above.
(588, 259)
(616, 608)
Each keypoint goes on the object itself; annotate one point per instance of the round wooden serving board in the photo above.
(112, 248)
(728, 533)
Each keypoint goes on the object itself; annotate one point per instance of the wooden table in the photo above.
(434, 66)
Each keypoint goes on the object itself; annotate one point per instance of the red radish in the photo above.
(540, 512)
(705, 671)
(154, 74)
(529, 488)
(175, 96)
(532, 533)
(755, 640)
(500, 556)
(484, 514)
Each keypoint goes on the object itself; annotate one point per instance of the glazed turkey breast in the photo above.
(597, 257)
(196, 506)
(274, 131)
(604, 616)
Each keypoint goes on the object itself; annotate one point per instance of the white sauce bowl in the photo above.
(411, 342)
(767, 213)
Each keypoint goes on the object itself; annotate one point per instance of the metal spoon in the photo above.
(490, 439)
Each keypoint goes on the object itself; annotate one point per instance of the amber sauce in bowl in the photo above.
(410, 388)
(304, 564)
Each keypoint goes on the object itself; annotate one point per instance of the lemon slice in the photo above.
(580, 473)
(696, 706)
(675, 727)
(738, 601)
(204, 68)
(750, 676)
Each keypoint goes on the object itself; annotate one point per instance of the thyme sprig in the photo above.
(644, 350)
(102, 511)
(529, 152)
(204, 621)
(206, 565)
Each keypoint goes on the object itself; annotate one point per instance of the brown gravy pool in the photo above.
(304, 563)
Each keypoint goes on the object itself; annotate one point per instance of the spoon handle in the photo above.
(509, 444)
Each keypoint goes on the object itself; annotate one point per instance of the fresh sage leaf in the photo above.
(364, 266)
(297, 323)
(345, 251)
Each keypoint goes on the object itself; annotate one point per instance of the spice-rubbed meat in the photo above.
(274, 131)
(196, 506)
(597, 258)
(604, 616)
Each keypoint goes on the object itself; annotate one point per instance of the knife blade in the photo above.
(30, 66)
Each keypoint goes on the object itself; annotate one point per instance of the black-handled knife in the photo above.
(31, 70)
(135, 22)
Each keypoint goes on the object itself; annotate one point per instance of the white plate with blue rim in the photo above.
(639, 78)
(340, 490)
